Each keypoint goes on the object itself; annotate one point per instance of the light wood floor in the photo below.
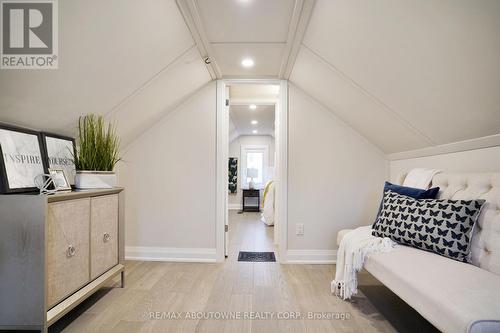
(157, 289)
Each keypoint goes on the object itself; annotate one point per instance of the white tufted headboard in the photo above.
(486, 238)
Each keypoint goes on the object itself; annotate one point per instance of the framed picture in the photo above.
(21, 159)
(59, 152)
(61, 182)
(232, 175)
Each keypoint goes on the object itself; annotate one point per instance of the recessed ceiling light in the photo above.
(247, 62)
(254, 122)
(255, 131)
(253, 106)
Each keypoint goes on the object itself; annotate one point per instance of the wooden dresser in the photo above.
(55, 251)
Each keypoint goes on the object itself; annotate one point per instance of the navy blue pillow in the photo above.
(416, 193)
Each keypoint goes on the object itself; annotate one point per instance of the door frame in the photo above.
(281, 167)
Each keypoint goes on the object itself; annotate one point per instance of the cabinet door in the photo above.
(103, 234)
(68, 230)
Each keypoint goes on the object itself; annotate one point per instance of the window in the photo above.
(254, 157)
(255, 160)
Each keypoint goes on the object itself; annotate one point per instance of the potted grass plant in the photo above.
(96, 153)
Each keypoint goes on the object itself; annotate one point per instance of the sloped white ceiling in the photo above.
(357, 108)
(110, 53)
(159, 96)
(264, 97)
(242, 117)
(406, 74)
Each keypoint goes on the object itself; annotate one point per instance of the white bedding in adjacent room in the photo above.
(267, 215)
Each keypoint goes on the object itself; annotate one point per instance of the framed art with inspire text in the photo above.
(21, 159)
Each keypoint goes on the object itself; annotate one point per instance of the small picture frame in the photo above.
(21, 159)
(60, 179)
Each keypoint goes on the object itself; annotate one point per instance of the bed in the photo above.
(267, 215)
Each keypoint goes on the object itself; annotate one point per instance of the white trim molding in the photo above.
(221, 197)
(455, 147)
(281, 174)
(320, 257)
(147, 253)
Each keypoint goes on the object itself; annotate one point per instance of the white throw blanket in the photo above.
(354, 248)
(420, 178)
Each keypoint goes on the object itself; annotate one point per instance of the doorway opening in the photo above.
(251, 118)
(251, 168)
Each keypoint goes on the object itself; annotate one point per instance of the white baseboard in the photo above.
(146, 253)
(234, 206)
(311, 256)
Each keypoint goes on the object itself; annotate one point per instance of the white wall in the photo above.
(335, 175)
(335, 179)
(169, 179)
(234, 200)
(478, 160)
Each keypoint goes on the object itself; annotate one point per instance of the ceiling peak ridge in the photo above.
(191, 15)
(371, 96)
(299, 22)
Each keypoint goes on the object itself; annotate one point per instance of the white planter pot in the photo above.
(95, 179)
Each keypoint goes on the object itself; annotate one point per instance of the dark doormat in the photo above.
(257, 256)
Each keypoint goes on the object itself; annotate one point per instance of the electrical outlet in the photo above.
(299, 229)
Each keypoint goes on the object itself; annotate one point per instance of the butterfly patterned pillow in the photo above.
(438, 225)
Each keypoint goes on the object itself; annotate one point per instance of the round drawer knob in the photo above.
(71, 251)
(107, 237)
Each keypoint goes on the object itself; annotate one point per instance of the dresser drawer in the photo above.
(103, 234)
(68, 227)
